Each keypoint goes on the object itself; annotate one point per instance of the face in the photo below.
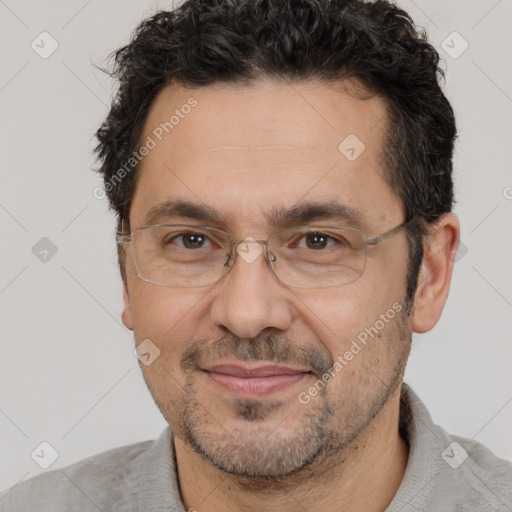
(259, 377)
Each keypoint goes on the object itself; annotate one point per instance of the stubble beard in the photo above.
(259, 455)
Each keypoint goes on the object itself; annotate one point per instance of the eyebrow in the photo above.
(298, 214)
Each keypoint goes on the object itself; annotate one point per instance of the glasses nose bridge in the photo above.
(234, 244)
(248, 240)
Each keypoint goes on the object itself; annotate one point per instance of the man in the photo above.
(281, 175)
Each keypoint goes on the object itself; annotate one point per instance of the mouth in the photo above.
(246, 382)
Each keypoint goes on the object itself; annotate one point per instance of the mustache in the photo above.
(270, 347)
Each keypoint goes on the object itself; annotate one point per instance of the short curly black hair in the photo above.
(202, 42)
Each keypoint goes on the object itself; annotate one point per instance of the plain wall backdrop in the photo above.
(68, 375)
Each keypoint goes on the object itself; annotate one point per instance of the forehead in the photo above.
(247, 150)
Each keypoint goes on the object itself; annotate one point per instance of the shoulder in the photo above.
(486, 476)
(100, 482)
(447, 472)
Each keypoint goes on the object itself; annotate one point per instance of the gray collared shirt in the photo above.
(444, 473)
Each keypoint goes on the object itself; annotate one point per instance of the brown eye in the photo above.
(317, 240)
(193, 240)
(188, 240)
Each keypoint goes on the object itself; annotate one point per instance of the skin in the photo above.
(243, 150)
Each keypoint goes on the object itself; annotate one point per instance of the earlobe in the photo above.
(434, 279)
(127, 310)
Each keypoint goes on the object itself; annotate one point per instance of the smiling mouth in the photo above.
(261, 381)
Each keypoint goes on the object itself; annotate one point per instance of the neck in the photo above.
(364, 477)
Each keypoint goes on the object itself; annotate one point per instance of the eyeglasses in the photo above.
(181, 255)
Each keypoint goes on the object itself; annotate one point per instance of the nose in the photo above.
(250, 298)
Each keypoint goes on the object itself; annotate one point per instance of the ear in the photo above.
(127, 310)
(434, 279)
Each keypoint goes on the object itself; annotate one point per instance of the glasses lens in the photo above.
(318, 257)
(308, 257)
(179, 255)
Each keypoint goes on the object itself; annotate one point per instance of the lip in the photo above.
(258, 381)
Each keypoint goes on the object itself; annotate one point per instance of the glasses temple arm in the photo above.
(388, 234)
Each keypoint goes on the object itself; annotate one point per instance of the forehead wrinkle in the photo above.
(259, 147)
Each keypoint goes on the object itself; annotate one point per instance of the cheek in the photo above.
(166, 325)
(339, 313)
(169, 318)
(342, 317)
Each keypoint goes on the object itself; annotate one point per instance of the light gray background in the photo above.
(67, 372)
